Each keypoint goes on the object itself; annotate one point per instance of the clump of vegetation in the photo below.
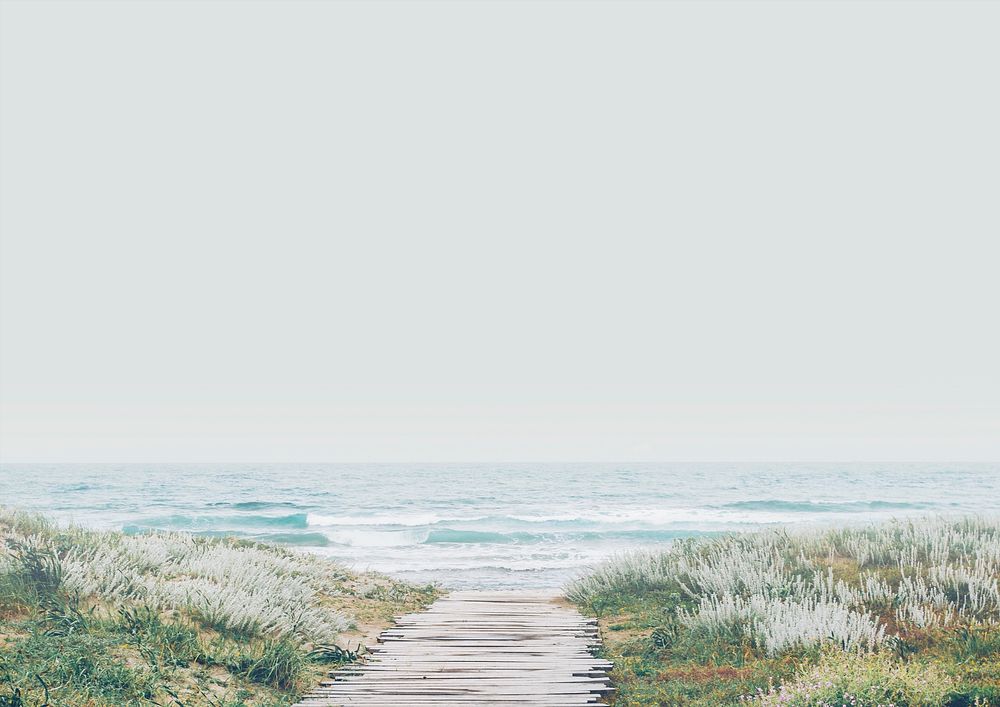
(231, 585)
(901, 613)
(105, 619)
(860, 679)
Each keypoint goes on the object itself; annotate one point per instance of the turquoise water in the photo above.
(489, 525)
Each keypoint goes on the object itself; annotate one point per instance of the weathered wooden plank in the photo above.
(372, 700)
(469, 681)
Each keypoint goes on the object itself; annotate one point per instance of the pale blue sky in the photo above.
(473, 231)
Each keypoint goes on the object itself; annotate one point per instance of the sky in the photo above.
(308, 231)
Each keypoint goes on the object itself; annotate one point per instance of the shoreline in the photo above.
(491, 524)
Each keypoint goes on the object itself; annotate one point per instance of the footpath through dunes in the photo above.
(477, 648)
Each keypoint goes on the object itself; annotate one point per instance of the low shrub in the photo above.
(275, 662)
(862, 681)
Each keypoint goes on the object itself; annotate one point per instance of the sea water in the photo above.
(489, 525)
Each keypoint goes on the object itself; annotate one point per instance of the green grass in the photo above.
(118, 646)
(935, 597)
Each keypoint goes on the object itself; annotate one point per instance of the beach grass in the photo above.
(900, 613)
(108, 619)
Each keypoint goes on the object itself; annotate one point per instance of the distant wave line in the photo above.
(777, 504)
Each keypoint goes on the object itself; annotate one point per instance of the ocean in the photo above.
(488, 525)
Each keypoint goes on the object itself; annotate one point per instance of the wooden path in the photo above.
(477, 648)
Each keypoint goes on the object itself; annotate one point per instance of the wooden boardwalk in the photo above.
(477, 648)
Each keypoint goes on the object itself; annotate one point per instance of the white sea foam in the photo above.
(377, 538)
(320, 520)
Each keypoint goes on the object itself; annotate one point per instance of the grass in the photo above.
(102, 619)
(901, 613)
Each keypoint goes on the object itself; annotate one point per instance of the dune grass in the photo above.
(105, 619)
(901, 613)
